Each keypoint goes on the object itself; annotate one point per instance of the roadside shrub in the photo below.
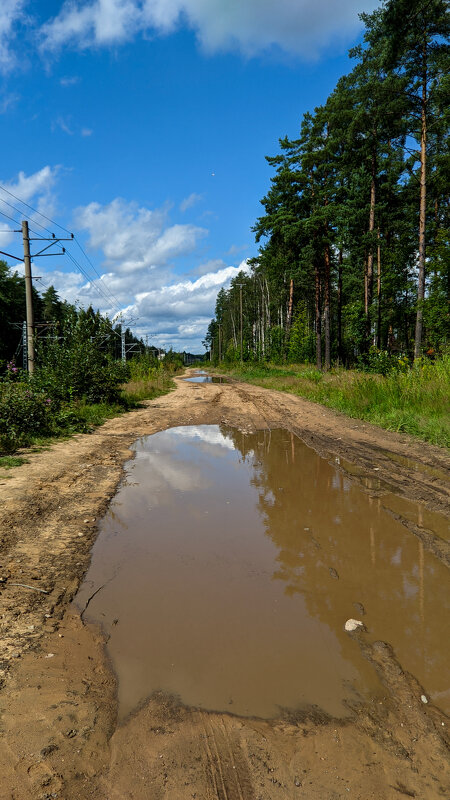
(377, 361)
(302, 339)
(78, 370)
(277, 344)
(24, 412)
(144, 367)
(232, 354)
(382, 363)
(173, 362)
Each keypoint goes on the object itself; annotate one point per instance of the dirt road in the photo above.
(58, 732)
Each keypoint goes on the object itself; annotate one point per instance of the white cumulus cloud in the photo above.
(175, 312)
(11, 12)
(179, 312)
(135, 239)
(136, 251)
(298, 27)
(38, 190)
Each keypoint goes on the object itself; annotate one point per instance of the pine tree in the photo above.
(413, 35)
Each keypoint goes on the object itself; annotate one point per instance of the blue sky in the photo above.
(142, 126)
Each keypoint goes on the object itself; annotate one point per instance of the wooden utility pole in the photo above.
(220, 342)
(28, 297)
(123, 353)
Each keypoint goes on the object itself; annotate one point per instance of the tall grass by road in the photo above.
(414, 401)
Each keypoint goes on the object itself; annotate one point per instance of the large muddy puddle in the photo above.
(229, 563)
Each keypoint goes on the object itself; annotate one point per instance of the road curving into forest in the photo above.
(59, 736)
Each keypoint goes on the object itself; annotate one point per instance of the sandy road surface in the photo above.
(58, 734)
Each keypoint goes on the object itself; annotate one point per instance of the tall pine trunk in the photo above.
(339, 309)
(326, 308)
(290, 306)
(368, 276)
(378, 292)
(422, 207)
(318, 317)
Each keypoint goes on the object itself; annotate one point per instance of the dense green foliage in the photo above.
(57, 403)
(354, 235)
(78, 380)
(57, 323)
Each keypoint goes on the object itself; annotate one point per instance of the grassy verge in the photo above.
(414, 402)
(135, 391)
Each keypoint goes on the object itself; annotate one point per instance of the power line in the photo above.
(9, 217)
(95, 285)
(3, 213)
(107, 292)
(3, 188)
(105, 287)
(45, 285)
(86, 275)
(83, 272)
(29, 329)
(96, 271)
(103, 294)
(20, 212)
(102, 289)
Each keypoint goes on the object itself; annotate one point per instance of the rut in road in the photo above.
(228, 770)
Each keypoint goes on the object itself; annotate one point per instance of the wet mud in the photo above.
(60, 735)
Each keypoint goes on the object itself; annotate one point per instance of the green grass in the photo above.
(415, 402)
(135, 391)
(8, 462)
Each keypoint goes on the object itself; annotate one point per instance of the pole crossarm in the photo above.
(52, 242)
(10, 255)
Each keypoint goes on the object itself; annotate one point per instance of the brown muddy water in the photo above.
(228, 563)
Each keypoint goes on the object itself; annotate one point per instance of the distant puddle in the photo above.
(230, 563)
(205, 379)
